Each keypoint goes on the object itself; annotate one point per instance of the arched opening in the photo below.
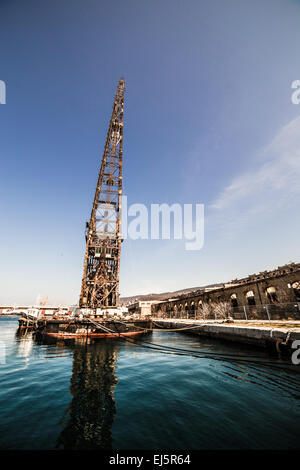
(193, 309)
(250, 297)
(180, 310)
(168, 311)
(175, 310)
(199, 308)
(296, 289)
(233, 300)
(271, 295)
(186, 309)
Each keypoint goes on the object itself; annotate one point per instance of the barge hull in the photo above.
(93, 335)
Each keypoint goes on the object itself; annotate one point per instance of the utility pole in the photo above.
(100, 282)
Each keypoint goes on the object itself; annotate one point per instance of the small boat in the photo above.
(32, 313)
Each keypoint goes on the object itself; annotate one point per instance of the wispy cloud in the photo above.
(274, 179)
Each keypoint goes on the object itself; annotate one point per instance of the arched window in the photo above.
(179, 311)
(296, 289)
(233, 300)
(271, 295)
(250, 297)
(175, 310)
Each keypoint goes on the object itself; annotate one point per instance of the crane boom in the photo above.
(100, 281)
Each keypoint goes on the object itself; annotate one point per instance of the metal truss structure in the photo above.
(100, 282)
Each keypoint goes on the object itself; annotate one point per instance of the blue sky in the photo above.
(208, 119)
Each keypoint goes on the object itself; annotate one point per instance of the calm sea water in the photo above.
(115, 394)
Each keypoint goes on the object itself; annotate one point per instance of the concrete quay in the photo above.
(277, 335)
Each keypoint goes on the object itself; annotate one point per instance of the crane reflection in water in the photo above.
(87, 423)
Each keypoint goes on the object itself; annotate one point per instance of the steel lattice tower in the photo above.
(100, 282)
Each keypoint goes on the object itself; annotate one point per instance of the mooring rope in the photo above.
(102, 327)
(165, 329)
(178, 329)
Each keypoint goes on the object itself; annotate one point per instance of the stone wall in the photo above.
(282, 285)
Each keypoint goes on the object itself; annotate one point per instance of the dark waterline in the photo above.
(115, 394)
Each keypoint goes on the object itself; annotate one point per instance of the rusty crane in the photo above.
(100, 282)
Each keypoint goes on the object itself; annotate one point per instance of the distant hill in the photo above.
(164, 295)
